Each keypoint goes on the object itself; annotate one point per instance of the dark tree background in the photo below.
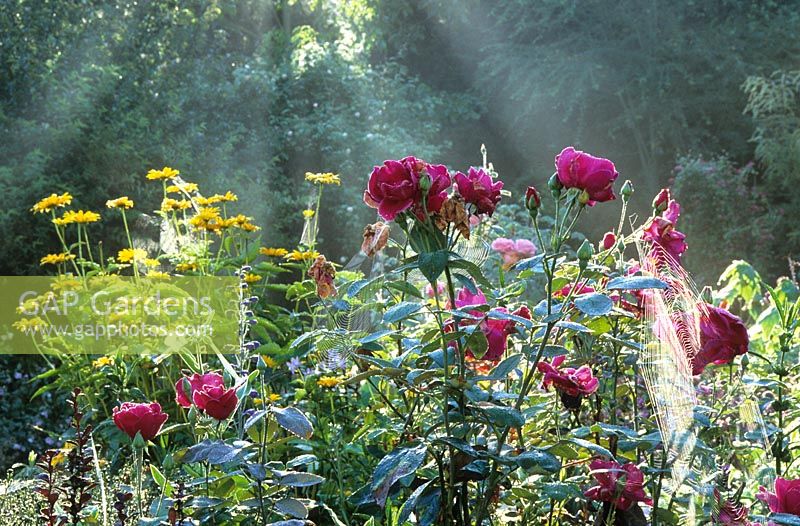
(247, 95)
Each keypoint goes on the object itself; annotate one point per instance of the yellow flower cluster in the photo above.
(228, 197)
(102, 362)
(207, 218)
(28, 324)
(164, 173)
(272, 252)
(252, 278)
(243, 222)
(52, 201)
(126, 255)
(302, 255)
(170, 204)
(186, 267)
(56, 259)
(182, 188)
(120, 202)
(323, 178)
(157, 274)
(328, 381)
(81, 216)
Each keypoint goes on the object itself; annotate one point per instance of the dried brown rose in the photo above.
(454, 211)
(375, 238)
(323, 273)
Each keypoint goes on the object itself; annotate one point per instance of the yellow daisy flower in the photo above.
(185, 267)
(273, 252)
(274, 397)
(126, 255)
(164, 173)
(270, 361)
(301, 255)
(103, 361)
(151, 262)
(120, 202)
(81, 216)
(308, 213)
(50, 202)
(252, 278)
(323, 178)
(170, 204)
(155, 274)
(184, 187)
(328, 382)
(56, 259)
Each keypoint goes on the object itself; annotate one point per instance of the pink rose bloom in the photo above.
(218, 403)
(146, 419)
(723, 336)
(595, 175)
(609, 240)
(513, 251)
(667, 244)
(441, 288)
(731, 513)
(566, 289)
(478, 188)
(394, 187)
(786, 498)
(496, 331)
(573, 382)
(622, 485)
(196, 383)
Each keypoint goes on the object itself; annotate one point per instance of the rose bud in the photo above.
(609, 240)
(661, 201)
(533, 199)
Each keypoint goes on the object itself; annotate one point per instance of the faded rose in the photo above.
(323, 274)
(478, 188)
(375, 238)
(595, 175)
(723, 336)
(146, 419)
(394, 187)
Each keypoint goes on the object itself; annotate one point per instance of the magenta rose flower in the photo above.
(394, 187)
(572, 384)
(595, 175)
(667, 244)
(478, 188)
(496, 331)
(218, 403)
(731, 513)
(786, 498)
(566, 289)
(132, 418)
(723, 336)
(196, 383)
(621, 485)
